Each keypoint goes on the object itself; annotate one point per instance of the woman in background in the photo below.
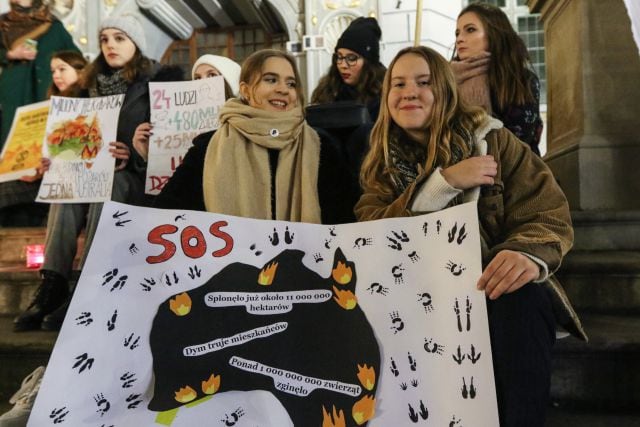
(17, 206)
(429, 152)
(493, 70)
(355, 73)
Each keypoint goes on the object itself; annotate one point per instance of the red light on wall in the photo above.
(35, 256)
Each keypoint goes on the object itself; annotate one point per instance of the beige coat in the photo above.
(525, 210)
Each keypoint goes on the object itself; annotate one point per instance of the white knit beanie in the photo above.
(229, 69)
(129, 25)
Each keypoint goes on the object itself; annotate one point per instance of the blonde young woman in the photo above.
(281, 168)
(428, 152)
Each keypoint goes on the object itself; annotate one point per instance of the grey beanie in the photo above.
(129, 25)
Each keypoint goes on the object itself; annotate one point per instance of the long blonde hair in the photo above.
(449, 118)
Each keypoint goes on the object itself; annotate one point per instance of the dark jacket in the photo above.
(338, 191)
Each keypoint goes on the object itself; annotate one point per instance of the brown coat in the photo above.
(525, 210)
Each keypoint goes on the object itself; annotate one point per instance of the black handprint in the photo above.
(462, 235)
(402, 236)
(424, 413)
(404, 386)
(433, 347)
(171, 279)
(288, 236)
(472, 390)
(57, 415)
(132, 402)
(83, 362)
(425, 227)
(231, 419)
(332, 231)
(111, 323)
(326, 243)
(378, 288)
(412, 362)
(128, 379)
(458, 356)
(455, 269)
(133, 249)
(396, 272)
(473, 356)
(362, 241)
(414, 383)
(109, 276)
(394, 368)
(456, 309)
(194, 272)
(253, 248)
(179, 217)
(148, 283)
(413, 415)
(395, 244)
(130, 342)
(427, 303)
(451, 235)
(275, 239)
(455, 422)
(102, 404)
(317, 257)
(119, 284)
(413, 256)
(84, 319)
(396, 322)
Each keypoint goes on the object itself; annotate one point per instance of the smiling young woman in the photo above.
(281, 168)
(429, 151)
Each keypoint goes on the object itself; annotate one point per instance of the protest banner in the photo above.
(179, 112)
(23, 149)
(182, 316)
(77, 139)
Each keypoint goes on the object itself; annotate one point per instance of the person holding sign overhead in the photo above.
(428, 152)
(17, 197)
(264, 161)
(206, 66)
(121, 68)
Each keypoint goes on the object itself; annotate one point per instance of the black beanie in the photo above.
(363, 37)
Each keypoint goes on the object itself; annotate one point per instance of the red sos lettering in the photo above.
(192, 241)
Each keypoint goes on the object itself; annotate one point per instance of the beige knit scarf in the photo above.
(237, 177)
(473, 81)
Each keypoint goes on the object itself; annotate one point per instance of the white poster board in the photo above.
(182, 316)
(77, 139)
(179, 112)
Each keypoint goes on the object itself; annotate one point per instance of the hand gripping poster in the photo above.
(179, 112)
(77, 139)
(185, 318)
(22, 151)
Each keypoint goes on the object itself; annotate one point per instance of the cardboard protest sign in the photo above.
(179, 112)
(184, 316)
(23, 149)
(78, 134)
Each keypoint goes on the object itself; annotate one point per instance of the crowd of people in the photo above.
(436, 133)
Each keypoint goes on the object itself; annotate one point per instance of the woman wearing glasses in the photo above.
(356, 73)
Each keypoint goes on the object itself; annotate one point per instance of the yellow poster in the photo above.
(23, 149)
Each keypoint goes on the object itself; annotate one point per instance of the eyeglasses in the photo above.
(350, 58)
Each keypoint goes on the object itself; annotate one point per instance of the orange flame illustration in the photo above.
(211, 385)
(337, 420)
(267, 274)
(89, 153)
(345, 299)
(342, 274)
(367, 376)
(364, 409)
(181, 304)
(185, 394)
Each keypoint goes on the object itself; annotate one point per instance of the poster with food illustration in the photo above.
(23, 149)
(77, 138)
(179, 112)
(182, 317)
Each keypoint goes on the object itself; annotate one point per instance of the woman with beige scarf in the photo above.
(265, 161)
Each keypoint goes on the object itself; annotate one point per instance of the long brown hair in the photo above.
(448, 118)
(369, 84)
(138, 65)
(510, 66)
(78, 62)
(251, 70)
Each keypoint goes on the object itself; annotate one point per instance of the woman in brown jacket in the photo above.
(429, 151)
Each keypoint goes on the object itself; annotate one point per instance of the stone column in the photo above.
(593, 78)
